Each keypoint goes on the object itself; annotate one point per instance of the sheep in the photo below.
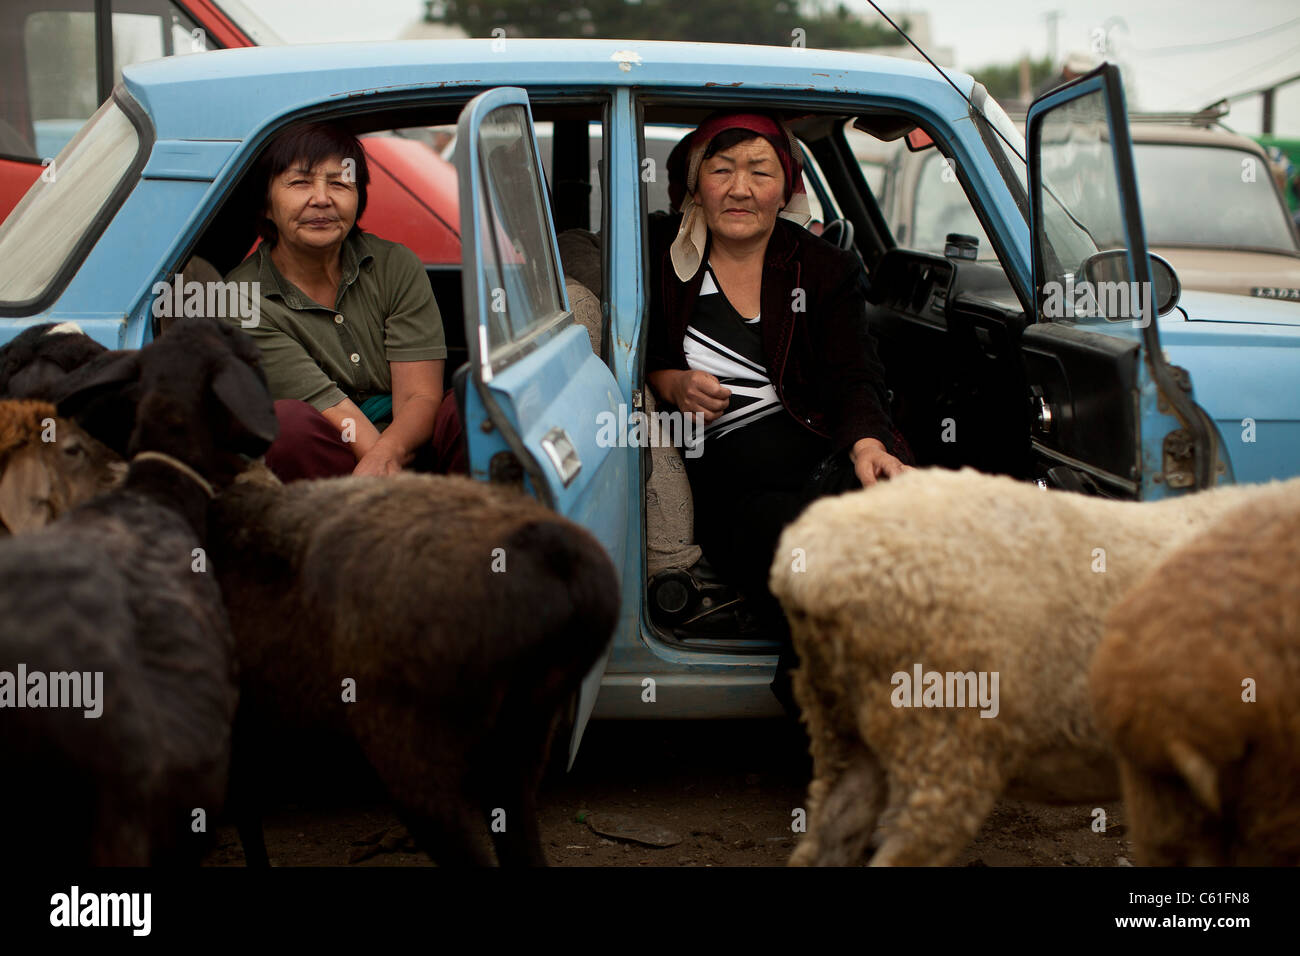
(461, 616)
(114, 593)
(485, 704)
(41, 355)
(47, 465)
(1194, 685)
(964, 574)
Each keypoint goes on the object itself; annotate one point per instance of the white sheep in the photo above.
(966, 574)
(1195, 685)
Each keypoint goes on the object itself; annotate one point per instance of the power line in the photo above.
(1223, 83)
(1213, 44)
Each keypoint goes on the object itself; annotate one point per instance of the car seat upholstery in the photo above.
(670, 511)
(586, 310)
(669, 508)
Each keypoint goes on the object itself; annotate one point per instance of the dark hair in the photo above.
(730, 137)
(309, 145)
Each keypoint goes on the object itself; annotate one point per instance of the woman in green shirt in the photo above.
(351, 337)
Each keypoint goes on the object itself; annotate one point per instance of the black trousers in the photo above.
(740, 513)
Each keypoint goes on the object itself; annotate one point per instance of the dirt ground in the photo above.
(725, 791)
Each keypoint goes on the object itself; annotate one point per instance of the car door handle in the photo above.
(559, 448)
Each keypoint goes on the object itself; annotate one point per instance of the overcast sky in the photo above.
(1179, 54)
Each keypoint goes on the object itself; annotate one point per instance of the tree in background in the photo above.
(716, 21)
(1003, 80)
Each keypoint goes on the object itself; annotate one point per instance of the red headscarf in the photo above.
(787, 150)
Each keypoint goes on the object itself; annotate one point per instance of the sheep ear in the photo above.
(239, 387)
(1199, 773)
(102, 396)
(109, 371)
(25, 494)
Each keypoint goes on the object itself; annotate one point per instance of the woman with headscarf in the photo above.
(760, 327)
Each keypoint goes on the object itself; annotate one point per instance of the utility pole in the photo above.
(1053, 18)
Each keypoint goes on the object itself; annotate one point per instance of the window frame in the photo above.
(76, 256)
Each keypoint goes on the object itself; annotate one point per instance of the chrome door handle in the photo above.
(559, 448)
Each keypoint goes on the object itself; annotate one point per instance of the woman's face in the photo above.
(741, 190)
(313, 208)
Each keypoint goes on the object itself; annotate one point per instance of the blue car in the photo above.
(1065, 357)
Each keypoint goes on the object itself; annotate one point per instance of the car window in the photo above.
(1078, 192)
(1234, 204)
(55, 87)
(940, 207)
(60, 208)
(524, 291)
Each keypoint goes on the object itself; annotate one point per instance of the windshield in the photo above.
(1235, 204)
(63, 204)
(940, 207)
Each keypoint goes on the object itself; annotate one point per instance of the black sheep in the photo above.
(118, 586)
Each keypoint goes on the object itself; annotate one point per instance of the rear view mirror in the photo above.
(1110, 266)
(918, 139)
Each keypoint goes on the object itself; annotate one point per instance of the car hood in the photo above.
(1221, 307)
(1256, 274)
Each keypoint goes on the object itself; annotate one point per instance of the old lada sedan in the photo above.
(1063, 358)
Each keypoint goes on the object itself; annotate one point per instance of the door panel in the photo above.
(1092, 274)
(535, 388)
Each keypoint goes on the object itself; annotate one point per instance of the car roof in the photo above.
(241, 89)
(1192, 136)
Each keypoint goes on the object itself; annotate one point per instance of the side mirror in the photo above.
(1110, 266)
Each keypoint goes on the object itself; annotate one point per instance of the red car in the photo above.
(59, 60)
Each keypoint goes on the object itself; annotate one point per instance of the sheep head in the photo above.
(197, 393)
(48, 465)
(38, 358)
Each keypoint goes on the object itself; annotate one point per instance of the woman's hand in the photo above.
(384, 458)
(692, 391)
(872, 461)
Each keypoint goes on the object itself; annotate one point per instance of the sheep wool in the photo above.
(1195, 685)
(968, 575)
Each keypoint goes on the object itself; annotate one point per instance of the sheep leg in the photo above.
(520, 750)
(520, 844)
(252, 839)
(449, 835)
(121, 837)
(429, 782)
(932, 816)
(843, 810)
(243, 799)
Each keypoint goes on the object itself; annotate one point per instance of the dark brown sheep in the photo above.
(465, 615)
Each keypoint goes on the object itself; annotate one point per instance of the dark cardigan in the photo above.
(822, 359)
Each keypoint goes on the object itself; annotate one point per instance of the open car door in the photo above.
(534, 387)
(1109, 414)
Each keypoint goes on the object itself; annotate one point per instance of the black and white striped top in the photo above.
(719, 341)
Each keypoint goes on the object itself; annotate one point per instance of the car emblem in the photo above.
(1272, 292)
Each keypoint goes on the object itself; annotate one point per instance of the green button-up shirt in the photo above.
(384, 312)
